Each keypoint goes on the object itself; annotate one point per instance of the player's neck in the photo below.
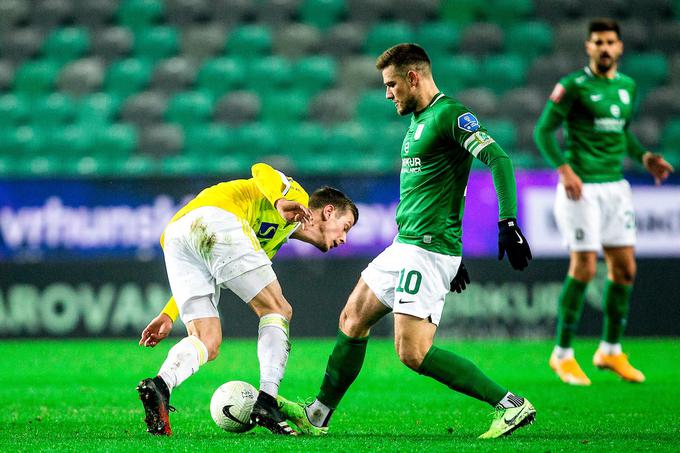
(426, 96)
(608, 74)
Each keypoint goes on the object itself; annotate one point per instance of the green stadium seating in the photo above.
(647, 69)
(462, 12)
(506, 12)
(116, 140)
(156, 42)
(439, 39)
(36, 77)
(14, 109)
(525, 160)
(322, 13)
(66, 44)
(184, 164)
(249, 41)
(97, 109)
(373, 107)
(503, 72)
(670, 136)
(43, 166)
(135, 165)
(315, 73)
(207, 140)
(190, 108)
(529, 39)
(454, 71)
(53, 110)
(221, 75)
(140, 13)
(503, 132)
(303, 139)
(255, 138)
(269, 73)
(348, 138)
(127, 76)
(231, 164)
(71, 140)
(384, 35)
(285, 106)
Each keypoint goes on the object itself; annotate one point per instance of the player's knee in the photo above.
(624, 275)
(410, 357)
(352, 325)
(584, 271)
(212, 344)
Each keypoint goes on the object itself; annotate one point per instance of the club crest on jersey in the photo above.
(557, 93)
(419, 131)
(267, 230)
(624, 95)
(468, 122)
(616, 110)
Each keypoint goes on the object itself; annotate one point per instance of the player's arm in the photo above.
(160, 326)
(550, 120)
(274, 186)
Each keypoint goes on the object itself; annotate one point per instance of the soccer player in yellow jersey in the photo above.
(225, 238)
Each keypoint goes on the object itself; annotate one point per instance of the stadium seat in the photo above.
(663, 103)
(36, 77)
(481, 39)
(570, 36)
(81, 77)
(249, 41)
(456, 72)
(231, 12)
(47, 14)
(304, 139)
(648, 130)
(161, 140)
(202, 41)
(44, 165)
(650, 10)
(503, 72)
(6, 74)
(462, 12)
(481, 101)
(238, 107)
(255, 138)
(269, 73)
(139, 14)
(518, 102)
(507, 12)
(112, 43)
(71, 140)
(636, 36)
(359, 73)
(322, 13)
(415, 11)
(127, 76)
(529, 39)
(66, 44)
(284, 107)
(296, 40)
(156, 43)
(332, 106)
(97, 109)
(173, 75)
(190, 108)
(439, 39)
(221, 75)
(670, 137)
(384, 35)
(91, 166)
(21, 44)
(207, 140)
(503, 132)
(20, 141)
(314, 73)
(343, 39)
(348, 138)
(184, 165)
(135, 165)
(231, 164)
(368, 12)
(144, 108)
(373, 107)
(119, 140)
(648, 70)
(12, 13)
(14, 109)
(183, 13)
(665, 36)
(54, 110)
(276, 13)
(95, 13)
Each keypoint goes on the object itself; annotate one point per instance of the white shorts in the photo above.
(411, 280)
(208, 248)
(602, 217)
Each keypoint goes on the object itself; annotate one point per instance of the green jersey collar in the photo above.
(436, 97)
(590, 73)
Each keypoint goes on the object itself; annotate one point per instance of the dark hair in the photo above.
(328, 195)
(403, 56)
(604, 24)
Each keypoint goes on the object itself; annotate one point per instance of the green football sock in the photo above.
(461, 375)
(570, 306)
(342, 369)
(616, 299)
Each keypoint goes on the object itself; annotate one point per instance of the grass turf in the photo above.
(79, 396)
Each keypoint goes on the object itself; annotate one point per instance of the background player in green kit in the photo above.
(413, 275)
(593, 206)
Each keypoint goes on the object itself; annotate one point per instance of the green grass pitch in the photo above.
(80, 396)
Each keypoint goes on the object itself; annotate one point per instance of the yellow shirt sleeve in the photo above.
(272, 183)
(171, 309)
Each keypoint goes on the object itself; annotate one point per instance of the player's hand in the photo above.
(571, 182)
(657, 166)
(512, 242)
(292, 211)
(460, 280)
(156, 331)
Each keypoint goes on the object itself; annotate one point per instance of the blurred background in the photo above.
(114, 113)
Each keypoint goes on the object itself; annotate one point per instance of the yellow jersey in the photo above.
(251, 200)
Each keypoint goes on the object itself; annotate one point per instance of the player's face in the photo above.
(399, 90)
(334, 228)
(604, 49)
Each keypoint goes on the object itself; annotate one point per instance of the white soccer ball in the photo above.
(231, 405)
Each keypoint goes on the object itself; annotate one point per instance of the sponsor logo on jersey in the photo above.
(411, 165)
(419, 131)
(468, 122)
(557, 93)
(624, 95)
(267, 230)
(595, 97)
(609, 124)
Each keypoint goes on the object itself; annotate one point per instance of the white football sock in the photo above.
(610, 348)
(318, 413)
(183, 360)
(563, 353)
(511, 400)
(272, 351)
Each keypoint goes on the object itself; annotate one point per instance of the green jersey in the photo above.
(436, 156)
(596, 112)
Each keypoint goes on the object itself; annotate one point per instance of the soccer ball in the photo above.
(231, 405)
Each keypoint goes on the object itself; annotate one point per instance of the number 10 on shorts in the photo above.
(409, 282)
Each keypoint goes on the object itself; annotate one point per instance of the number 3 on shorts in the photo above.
(410, 284)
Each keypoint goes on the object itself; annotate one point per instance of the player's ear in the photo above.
(413, 77)
(327, 212)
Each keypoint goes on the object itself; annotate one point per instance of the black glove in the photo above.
(462, 277)
(512, 241)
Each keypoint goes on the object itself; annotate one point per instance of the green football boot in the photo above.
(295, 412)
(505, 421)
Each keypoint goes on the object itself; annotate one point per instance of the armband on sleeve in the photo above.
(171, 309)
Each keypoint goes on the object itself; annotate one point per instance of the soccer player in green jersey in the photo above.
(413, 275)
(593, 206)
